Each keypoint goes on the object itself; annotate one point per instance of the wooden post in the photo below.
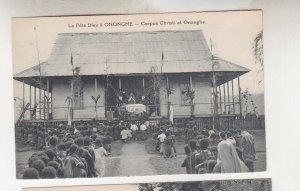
(96, 87)
(72, 96)
(240, 100)
(30, 116)
(50, 106)
(155, 98)
(44, 109)
(23, 98)
(48, 98)
(191, 82)
(167, 78)
(168, 101)
(35, 102)
(96, 94)
(224, 96)
(228, 96)
(23, 95)
(232, 94)
(220, 99)
(40, 102)
(143, 81)
(192, 102)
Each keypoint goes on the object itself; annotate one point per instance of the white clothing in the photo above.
(129, 133)
(232, 140)
(100, 154)
(147, 123)
(161, 137)
(124, 134)
(133, 127)
(143, 127)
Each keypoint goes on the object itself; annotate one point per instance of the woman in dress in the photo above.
(100, 154)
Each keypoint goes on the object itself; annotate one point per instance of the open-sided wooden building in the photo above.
(157, 69)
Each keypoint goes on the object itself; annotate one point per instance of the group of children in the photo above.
(70, 153)
(220, 152)
(134, 132)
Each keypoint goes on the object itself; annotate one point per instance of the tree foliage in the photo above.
(226, 185)
(258, 51)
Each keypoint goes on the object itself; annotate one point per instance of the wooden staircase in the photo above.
(22, 114)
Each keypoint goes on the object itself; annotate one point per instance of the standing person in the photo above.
(143, 129)
(228, 160)
(194, 153)
(186, 163)
(174, 152)
(124, 135)
(134, 128)
(107, 143)
(167, 145)
(203, 155)
(161, 137)
(100, 154)
(157, 142)
(248, 146)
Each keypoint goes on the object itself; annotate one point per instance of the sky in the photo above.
(231, 33)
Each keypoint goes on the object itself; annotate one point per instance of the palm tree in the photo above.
(169, 91)
(258, 51)
(190, 96)
(95, 101)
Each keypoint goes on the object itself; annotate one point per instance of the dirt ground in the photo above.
(140, 158)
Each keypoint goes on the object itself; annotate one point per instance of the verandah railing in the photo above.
(205, 120)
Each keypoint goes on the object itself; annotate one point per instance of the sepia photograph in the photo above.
(217, 185)
(137, 95)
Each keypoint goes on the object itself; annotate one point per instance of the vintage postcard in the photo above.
(135, 95)
(218, 185)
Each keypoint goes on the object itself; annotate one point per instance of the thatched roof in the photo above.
(129, 53)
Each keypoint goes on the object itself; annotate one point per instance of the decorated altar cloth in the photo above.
(135, 108)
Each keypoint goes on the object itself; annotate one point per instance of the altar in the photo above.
(135, 108)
